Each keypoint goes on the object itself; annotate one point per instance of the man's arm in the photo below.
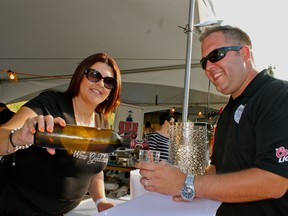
(244, 186)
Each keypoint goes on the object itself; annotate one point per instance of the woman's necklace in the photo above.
(90, 122)
(81, 120)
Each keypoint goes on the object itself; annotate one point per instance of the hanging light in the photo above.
(172, 110)
(12, 76)
(200, 114)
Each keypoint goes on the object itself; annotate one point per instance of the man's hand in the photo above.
(161, 177)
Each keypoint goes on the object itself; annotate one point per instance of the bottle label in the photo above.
(91, 157)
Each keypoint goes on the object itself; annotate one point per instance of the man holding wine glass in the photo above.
(249, 167)
(46, 181)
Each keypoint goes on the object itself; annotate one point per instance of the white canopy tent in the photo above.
(43, 41)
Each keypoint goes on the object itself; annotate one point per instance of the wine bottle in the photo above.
(73, 137)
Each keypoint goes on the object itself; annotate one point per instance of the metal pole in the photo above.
(188, 60)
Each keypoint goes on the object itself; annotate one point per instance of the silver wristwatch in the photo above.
(188, 192)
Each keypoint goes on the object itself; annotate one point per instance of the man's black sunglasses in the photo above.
(95, 76)
(217, 55)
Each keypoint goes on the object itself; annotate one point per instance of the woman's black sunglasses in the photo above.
(217, 55)
(95, 76)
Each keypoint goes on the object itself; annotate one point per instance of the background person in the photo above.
(147, 130)
(53, 182)
(5, 113)
(159, 140)
(249, 167)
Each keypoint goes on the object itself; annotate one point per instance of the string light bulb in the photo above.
(12, 76)
(172, 110)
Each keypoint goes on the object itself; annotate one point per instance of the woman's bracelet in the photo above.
(99, 201)
(16, 146)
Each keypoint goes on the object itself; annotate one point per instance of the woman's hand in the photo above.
(104, 205)
(161, 177)
(43, 123)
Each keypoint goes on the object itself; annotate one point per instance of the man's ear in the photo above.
(247, 52)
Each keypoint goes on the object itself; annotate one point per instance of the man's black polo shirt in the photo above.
(253, 132)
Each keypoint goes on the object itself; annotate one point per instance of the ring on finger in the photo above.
(147, 183)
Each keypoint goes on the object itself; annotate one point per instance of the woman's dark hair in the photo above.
(147, 124)
(113, 100)
(165, 117)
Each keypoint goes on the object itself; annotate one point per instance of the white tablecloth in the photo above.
(150, 204)
(87, 207)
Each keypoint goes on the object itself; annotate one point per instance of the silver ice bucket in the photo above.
(188, 148)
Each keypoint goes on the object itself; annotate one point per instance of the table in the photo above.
(87, 207)
(150, 204)
(120, 168)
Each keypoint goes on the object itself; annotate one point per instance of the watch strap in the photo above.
(189, 181)
(188, 192)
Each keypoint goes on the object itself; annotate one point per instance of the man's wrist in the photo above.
(187, 192)
(182, 183)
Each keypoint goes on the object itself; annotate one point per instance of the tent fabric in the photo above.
(49, 38)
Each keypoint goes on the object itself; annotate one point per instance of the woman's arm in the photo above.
(97, 192)
(20, 137)
(25, 121)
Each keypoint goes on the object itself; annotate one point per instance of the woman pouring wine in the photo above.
(46, 181)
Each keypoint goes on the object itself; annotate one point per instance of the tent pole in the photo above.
(188, 60)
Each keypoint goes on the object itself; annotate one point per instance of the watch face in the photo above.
(187, 193)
